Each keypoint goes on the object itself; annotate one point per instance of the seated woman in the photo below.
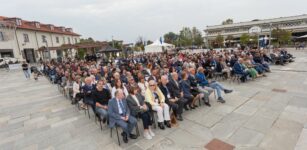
(224, 68)
(186, 88)
(101, 97)
(76, 90)
(155, 97)
(142, 84)
(139, 108)
(118, 85)
(250, 68)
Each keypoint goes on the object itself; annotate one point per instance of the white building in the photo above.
(296, 24)
(22, 39)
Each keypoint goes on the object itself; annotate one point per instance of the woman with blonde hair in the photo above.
(156, 99)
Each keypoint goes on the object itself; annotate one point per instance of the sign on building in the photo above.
(254, 30)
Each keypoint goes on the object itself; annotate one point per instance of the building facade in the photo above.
(22, 39)
(296, 24)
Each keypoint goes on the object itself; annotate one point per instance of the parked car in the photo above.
(8, 60)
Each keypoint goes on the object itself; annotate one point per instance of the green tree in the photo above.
(281, 36)
(244, 39)
(149, 42)
(88, 40)
(81, 53)
(198, 39)
(227, 21)
(185, 37)
(170, 37)
(139, 44)
(219, 41)
(254, 40)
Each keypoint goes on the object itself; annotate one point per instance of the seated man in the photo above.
(206, 91)
(201, 78)
(119, 114)
(175, 103)
(239, 69)
(101, 98)
(176, 90)
(186, 88)
(87, 90)
(258, 58)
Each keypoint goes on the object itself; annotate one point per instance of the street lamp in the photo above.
(47, 49)
(270, 36)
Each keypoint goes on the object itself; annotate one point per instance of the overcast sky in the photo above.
(128, 19)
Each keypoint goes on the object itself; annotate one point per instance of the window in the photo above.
(68, 40)
(44, 39)
(25, 38)
(37, 25)
(1, 36)
(76, 41)
(18, 22)
(57, 39)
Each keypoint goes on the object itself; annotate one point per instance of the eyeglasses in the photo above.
(152, 85)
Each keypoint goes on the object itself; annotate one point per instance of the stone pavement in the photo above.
(266, 114)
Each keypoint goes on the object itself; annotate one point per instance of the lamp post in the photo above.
(270, 36)
(47, 49)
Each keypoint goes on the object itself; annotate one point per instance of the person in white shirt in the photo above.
(155, 97)
(76, 89)
(142, 85)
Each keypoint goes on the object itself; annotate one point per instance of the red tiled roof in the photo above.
(30, 25)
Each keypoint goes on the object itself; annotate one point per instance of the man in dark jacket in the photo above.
(176, 103)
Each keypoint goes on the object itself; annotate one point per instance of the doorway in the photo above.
(29, 55)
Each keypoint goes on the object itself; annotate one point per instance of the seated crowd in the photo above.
(161, 84)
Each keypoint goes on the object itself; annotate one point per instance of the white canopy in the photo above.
(304, 36)
(157, 47)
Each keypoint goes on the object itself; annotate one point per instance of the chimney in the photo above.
(17, 21)
(51, 26)
(69, 30)
(36, 24)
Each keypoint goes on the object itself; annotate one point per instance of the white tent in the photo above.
(157, 47)
(301, 37)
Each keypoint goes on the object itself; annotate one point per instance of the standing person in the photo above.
(25, 69)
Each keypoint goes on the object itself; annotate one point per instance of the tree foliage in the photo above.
(227, 21)
(185, 37)
(281, 36)
(171, 38)
(244, 39)
(88, 40)
(219, 40)
(198, 39)
(140, 43)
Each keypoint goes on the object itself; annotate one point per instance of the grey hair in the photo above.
(118, 91)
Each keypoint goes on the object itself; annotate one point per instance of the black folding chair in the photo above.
(116, 127)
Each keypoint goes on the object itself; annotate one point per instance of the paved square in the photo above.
(269, 113)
